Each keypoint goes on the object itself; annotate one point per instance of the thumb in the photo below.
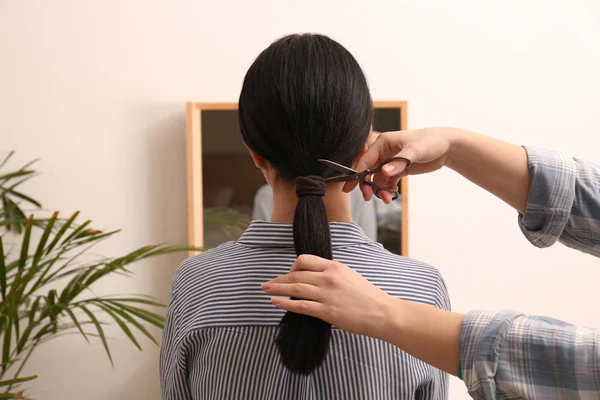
(396, 167)
(309, 262)
(387, 145)
(418, 168)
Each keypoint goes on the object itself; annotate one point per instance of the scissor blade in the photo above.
(342, 178)
(337, 167)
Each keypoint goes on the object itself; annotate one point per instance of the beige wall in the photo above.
(97, 89)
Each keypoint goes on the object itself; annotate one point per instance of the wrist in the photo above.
(392, 319)
(458, 140)
(426, 332)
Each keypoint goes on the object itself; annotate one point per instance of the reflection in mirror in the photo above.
(230, 179)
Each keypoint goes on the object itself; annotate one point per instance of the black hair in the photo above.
(304, 98)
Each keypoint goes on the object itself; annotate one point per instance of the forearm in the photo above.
(500, 168)
(427, 333)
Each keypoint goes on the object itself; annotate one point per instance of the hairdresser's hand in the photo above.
(428, 149)
(334, 293)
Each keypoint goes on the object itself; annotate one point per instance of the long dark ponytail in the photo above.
(305, 97)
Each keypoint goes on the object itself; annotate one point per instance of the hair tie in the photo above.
(310, 186)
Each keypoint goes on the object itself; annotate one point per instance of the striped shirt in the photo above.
(507, 354)
(220, 327)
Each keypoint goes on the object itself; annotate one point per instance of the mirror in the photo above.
(226, 191)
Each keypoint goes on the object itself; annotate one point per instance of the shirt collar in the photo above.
(279, 235)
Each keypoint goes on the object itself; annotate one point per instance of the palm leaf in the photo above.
(75, 286)
(145, 315)
(76, 231)
(33, 269)
(46, 276)
(62, 231)
(150, 301)
(51, 304)
(23, 257)
(132, 321)
(148, 316)
(42, 242)
(59, 274)
(99, 330)
(11, 395)
(33, 309)
(31, 325)
(25, 244)
(15, 217)
(16, 174)
(75, 321)
(6, 344)
(21, 196)
(121, 324)
(2, 270)
(20, 170)
(8, 156)
(16, 381)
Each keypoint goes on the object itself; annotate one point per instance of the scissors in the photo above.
(366, 176)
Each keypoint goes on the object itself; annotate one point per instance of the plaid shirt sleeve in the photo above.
(510, 355)
(564, 202)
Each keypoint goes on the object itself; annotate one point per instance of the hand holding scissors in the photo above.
(427, 149)
(366, 177)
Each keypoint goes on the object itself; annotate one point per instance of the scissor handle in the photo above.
(376, 189)
(379, 189)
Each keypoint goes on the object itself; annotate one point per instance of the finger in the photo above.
(306, 277)
(382, 180)
(308, 262)
(306, 307)
(385, 196)
(297, 290)
(390, 144)
(395, 167)
(386, 182)
(349, 186)
(367, 191)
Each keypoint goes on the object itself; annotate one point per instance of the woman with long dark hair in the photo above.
(305, 98)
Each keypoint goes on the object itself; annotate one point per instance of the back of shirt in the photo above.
(220, 329)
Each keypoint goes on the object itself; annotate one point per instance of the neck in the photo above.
(337, 203)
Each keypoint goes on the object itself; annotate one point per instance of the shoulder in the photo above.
(399, 276)
(194, 268)
(374, 256)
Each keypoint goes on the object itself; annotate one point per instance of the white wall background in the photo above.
(97, 89)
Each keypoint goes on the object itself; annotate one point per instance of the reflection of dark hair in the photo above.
(304, 98)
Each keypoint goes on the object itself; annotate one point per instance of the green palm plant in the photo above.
(50, 251)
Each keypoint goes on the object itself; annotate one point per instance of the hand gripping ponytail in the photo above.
(303, 341)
